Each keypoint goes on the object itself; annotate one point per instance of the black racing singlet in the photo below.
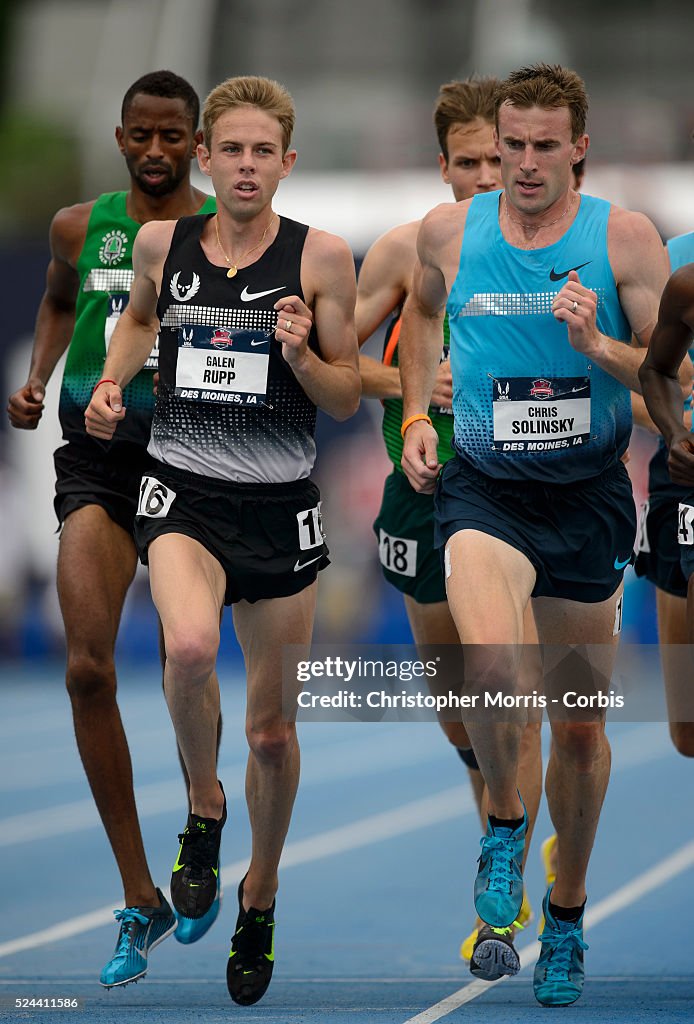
(228, 404)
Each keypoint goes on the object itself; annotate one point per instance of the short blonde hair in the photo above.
(249, 90)
(461, 103)
(549, 86)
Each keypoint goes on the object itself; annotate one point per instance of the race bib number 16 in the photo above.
(155, 499)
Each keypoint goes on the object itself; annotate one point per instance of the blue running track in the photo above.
(376, 882)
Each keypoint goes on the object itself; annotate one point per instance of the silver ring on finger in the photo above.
(288, 326)
(574, 306)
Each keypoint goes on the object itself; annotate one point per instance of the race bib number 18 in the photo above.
(397, 554)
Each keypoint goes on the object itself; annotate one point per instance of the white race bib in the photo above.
(222, 365)
(155, 498)
(642, 542)
(538, 414)
(685, 525)
(310, 526)
(398, 554)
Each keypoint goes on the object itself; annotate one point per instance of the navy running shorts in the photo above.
(685, 536)
(661, 549)
(579, 537)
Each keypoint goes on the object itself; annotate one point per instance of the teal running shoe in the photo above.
(196, 888)
(141, 929)
(559, 971)
(499, 882)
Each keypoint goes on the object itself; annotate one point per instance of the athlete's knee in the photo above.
(90, 676)
(192, 653)
(682, 735)
(491, 667)
(582, 743)
(271, 743)
(457, 736)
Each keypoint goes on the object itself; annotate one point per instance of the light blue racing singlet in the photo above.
(527, 406)
(681, 250)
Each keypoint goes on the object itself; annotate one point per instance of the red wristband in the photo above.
(104, 380)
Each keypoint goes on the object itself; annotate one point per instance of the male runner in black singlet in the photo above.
(257, 330)
(87, 287)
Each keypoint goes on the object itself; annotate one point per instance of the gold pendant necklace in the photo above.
(234, 264)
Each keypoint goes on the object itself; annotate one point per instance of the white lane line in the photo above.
(629, 893)
(411, 817)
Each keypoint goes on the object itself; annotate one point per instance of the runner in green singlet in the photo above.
(87, 288)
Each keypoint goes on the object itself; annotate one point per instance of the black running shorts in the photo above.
(579, 537)
(95, 474)
(268, 538)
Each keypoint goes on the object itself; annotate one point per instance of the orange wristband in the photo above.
(104, 380)
(413, 419)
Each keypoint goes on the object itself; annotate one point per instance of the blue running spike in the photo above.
(141, 929)
(559, 972)
(499, 882)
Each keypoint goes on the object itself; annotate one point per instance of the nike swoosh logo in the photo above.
(247, 296)
(554, 276)
(177, 866)
(264, 341)
(621, 565)
(302, 565)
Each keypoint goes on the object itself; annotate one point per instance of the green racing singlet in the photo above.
(442, 419)
(106, 272)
